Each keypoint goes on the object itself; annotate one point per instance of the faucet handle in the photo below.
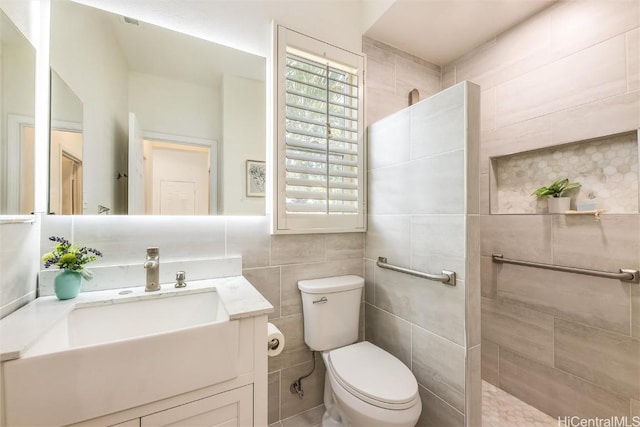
(180, 276)
(153, 251)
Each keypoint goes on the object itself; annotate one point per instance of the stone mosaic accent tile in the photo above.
(607, 169)
(500, 409)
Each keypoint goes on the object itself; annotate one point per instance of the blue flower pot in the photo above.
(67, 284)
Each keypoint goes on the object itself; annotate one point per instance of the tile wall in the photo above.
(421, 217)
(394, 309)
(567, 344)
(391, 75)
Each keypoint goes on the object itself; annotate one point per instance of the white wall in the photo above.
(17, 97)
(105, 105)
(372, 10)
(18, 74)
(65, 105)
(174, 107)
(24, 14)
(243, 139)
(19, 256)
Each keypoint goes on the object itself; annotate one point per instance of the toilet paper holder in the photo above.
(275, 340)
(273, 344)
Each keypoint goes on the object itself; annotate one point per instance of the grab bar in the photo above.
(626, 275)
(447, 277)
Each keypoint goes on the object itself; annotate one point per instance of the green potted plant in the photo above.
(71, 260)
(555, 194)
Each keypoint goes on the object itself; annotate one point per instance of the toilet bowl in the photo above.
(364, 385)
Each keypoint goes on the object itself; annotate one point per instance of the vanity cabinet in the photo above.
(229, 409)
(205, 374)
(230, 403)
(232, 408)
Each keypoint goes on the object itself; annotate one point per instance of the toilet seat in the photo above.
(373, 376)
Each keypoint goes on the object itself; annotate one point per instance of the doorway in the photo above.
(177, 177)
(65, 172)
(71, 185)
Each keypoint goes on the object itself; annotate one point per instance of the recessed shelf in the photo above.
(606, 167)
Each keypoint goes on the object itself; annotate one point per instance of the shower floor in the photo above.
(500, 409)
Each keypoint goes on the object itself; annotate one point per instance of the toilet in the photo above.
(364, 385)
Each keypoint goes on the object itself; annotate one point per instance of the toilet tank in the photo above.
(331, 309)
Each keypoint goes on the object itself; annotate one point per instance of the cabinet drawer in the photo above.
(231, 408)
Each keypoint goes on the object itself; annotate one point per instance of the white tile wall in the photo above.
(438, 243)
(438, 126)
(391, 140)
(430, 185)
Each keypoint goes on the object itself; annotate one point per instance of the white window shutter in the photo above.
(320, 161)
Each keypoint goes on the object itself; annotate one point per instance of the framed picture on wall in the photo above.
(256, 176)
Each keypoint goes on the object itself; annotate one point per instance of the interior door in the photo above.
(65, 172)
(180, 177)
(71, 185)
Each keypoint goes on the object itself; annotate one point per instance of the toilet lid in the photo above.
(370, 371)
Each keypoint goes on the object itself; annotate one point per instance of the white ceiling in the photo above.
(440, 31)
(173, 55)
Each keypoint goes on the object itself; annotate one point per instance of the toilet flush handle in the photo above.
(322, 300)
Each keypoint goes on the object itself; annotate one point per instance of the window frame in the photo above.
(298, 223)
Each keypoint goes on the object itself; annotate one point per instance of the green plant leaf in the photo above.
(556, 189)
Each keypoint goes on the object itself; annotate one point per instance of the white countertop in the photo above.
(21, 329)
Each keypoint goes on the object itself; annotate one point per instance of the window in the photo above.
(320, 144)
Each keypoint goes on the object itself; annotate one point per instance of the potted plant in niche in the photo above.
(71, 260)
(557, 202)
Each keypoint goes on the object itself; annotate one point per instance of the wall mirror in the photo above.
(17, 113)
(167, 124)
(65, 150)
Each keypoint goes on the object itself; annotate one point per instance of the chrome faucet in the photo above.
(152, 265)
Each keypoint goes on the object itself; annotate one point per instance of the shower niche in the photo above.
(606, 168)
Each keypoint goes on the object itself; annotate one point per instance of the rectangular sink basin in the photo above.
(121, 320)
(120, 353)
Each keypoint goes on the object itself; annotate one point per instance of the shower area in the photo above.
(552, 347)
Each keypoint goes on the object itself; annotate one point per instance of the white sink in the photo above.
(120, 353)
(120, 320)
